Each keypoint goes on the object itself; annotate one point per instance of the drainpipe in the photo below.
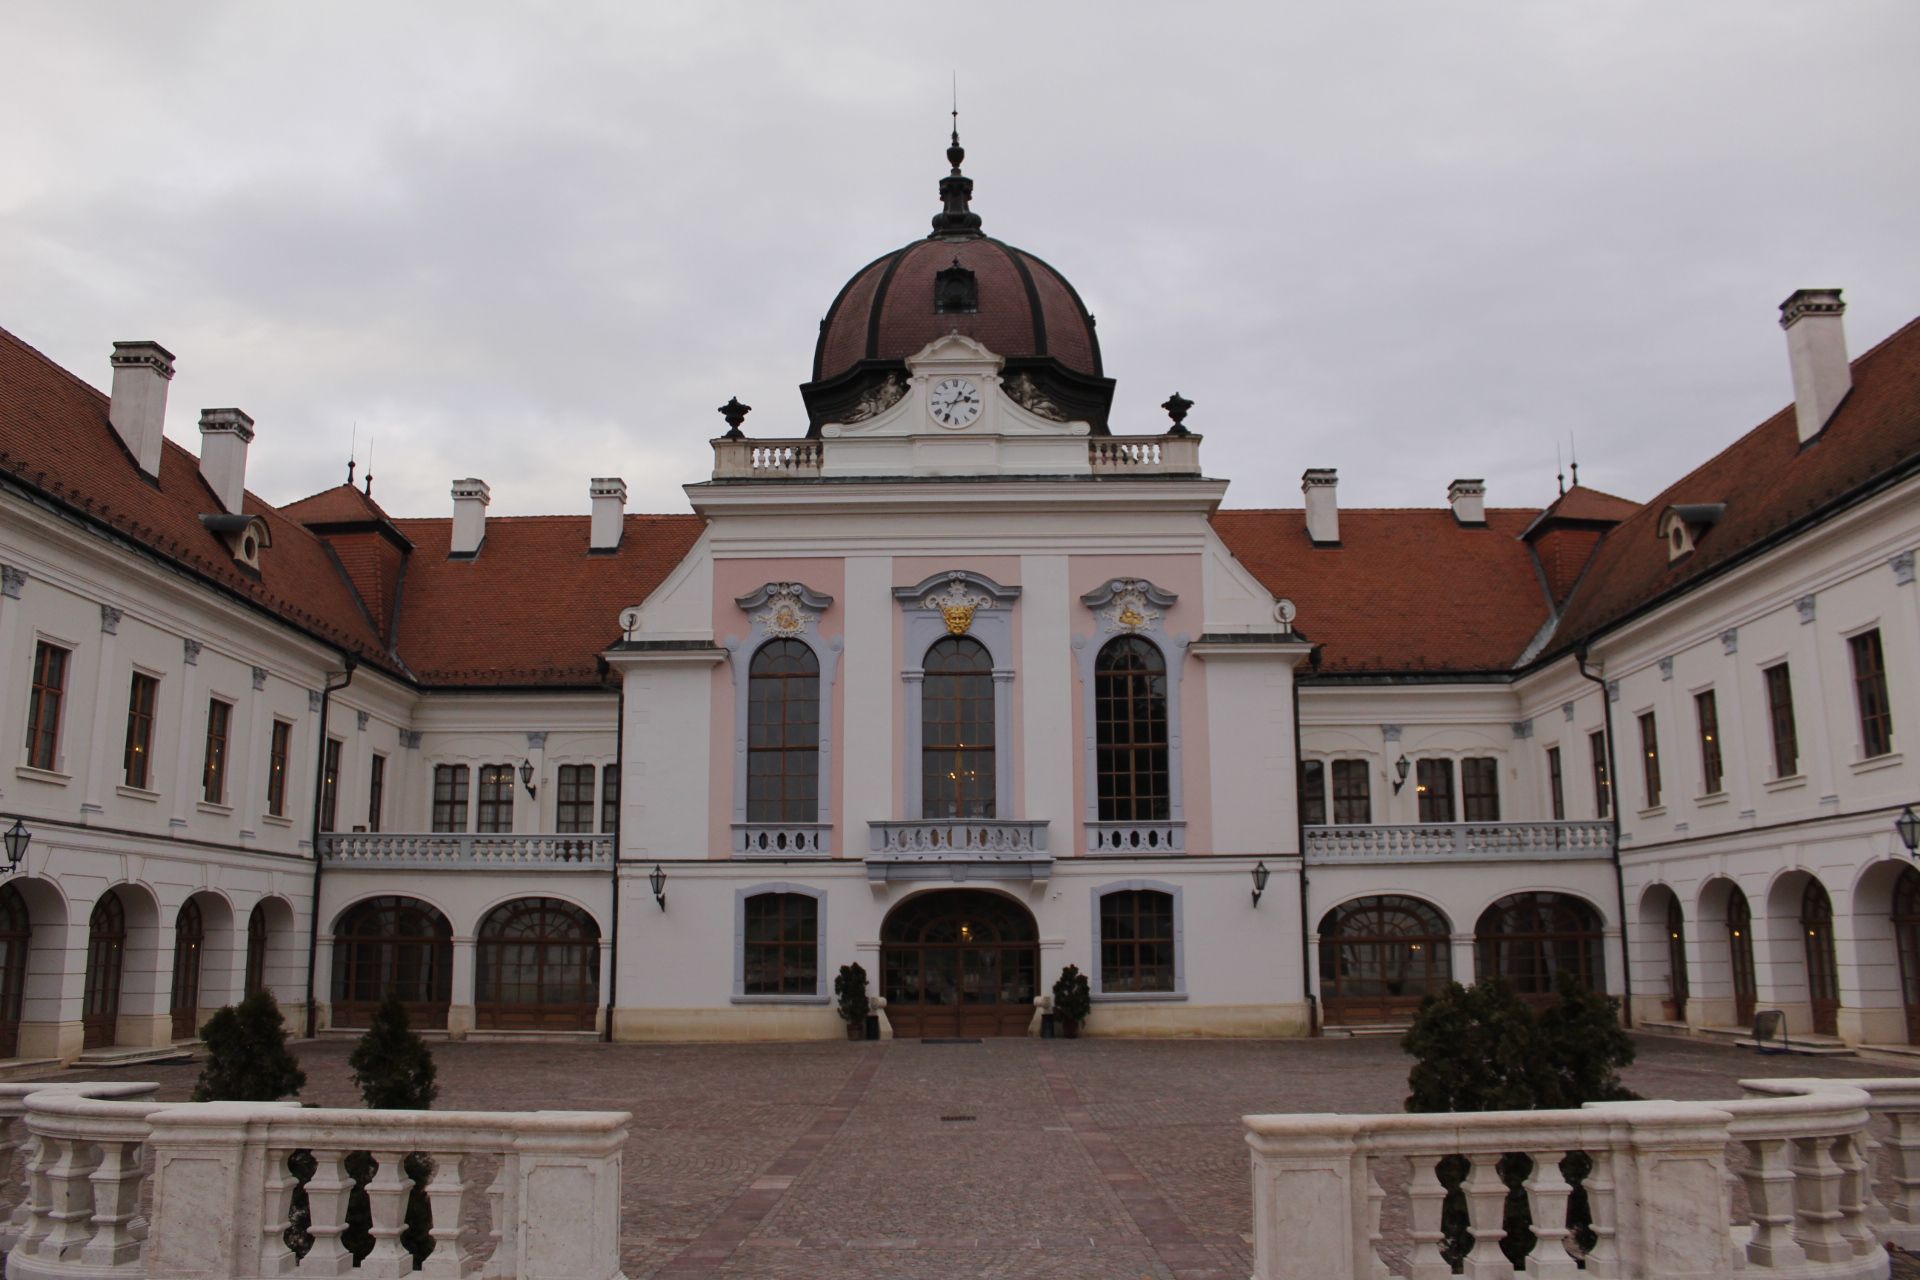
(1580, 654)
(613, 916)
(327, 690)
(1300, 836)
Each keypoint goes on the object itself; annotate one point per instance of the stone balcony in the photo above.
(1459, 842)
(958, 849)
(506, 852)
(1137, 837)
(799, 459)
(782, 839)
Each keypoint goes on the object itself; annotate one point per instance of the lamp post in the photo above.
(1260, 874)
(526, 777)
(17, 839)
(658, 880)
(1907, 824)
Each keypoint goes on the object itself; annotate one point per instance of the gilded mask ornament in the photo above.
(957, 604)
(1130, 610)
(784, 615)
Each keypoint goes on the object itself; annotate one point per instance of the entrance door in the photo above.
(539, 967)
(959, 962)
(15, 933)
(1823, 973)
(1677, 957)
(106, 949)
(1906, 937)
(1740, 953)
(1380, 957)
(189, 933)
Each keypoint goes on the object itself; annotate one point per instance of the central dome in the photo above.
(957, 280)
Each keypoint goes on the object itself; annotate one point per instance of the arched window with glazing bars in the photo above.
(1132, 750)
(783, 733)
(1530, 939)
(956, 731)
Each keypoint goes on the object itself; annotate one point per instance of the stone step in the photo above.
(1907, 1051)
(27, 1068)
(535, 1037)
(1809, 1045)
(127, 1057)
(1362, 1030)
(1661, 1028)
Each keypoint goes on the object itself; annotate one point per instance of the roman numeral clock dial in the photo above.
(955, 402)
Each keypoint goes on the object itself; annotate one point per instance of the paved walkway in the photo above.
(1105, 1159)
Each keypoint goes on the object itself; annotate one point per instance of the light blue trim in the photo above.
(993, 629)
(1173, 651)
(1098, 978)
(740, 656)
(740, 897)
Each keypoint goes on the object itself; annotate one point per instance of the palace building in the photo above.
(952, 682)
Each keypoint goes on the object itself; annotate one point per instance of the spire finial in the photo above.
(956, 189)
(353, 448)
(369, 466)
(1573, 460)
(1559, 470)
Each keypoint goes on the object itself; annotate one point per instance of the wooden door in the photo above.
(539, 968)
(1380, 957)
(106, 953)
(1740, 954)
(1677, 958)
(15, 935)
(1823, 971)
(959, 963)
(1906, 937)
(189, 938)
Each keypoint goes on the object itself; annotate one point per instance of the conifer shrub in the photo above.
(850, 989)
(392, 1067)
(1072, 999)
(247, 1055)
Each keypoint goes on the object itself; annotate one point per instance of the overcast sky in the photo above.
(1411, 241)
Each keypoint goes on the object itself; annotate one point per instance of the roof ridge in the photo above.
(53, 364)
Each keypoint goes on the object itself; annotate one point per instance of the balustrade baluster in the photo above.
(117, 1181)
(1427, 1198)
(501, 1227)
(387, 1194)
(1603, 1259)
(30, 1216)
(1816, 1196)
(1486, 1211)
(444, 1188)
(327, 1194)
(1548, 1192)
(1376, 1206)
(69, 1196)
(1770, 1181)
(13, 1141)
(1905, 1159)
(277, 1258)
(1856, 1192)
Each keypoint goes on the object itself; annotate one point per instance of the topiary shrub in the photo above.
(247, 1055)
(850, 989)
(1072, 1000)
(392, 1066)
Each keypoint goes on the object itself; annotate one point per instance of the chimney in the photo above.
(1468, 498)
(141, 371)
(224, 437)
(1323, 512)
(609, 494)
(1817, 350)
(470, 498)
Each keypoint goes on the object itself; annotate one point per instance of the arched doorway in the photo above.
(256, 974)
(1531, 938)
(1823, 971)
(538, 967)
(189, 938)
(959, 962)
(1380, 956)
(16, 933)
(106, 953)
(1740, 952)
(1906, 935)
(392, 944)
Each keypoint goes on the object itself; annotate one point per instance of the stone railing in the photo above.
(244, 1191)
(782, 839)
(488, 852)
(1136, 837)
(1346, 1197)
(1452, 841)
(766, 459)
(1144, 455)
(959, 836)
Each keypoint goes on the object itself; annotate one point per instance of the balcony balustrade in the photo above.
(782, 839)
(958, 849)
(1459, 841)
(1136, 837)
(505, 852)
(1106, 455)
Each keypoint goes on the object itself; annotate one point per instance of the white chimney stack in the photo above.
(1323, 511)
(1468, 498)
(141, 371)
(470, 498)
(1817, 350)
(224, 437)
(609, 494)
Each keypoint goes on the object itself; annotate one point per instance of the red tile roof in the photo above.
(1405, 591)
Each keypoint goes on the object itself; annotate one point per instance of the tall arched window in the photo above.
(1130, 731)
(1381, 956)
(1531, 938)
(956, 731)
(392, 944)
(189, 936)
(257, 949)
(783, 733)
(1823, 970)
(538, 967)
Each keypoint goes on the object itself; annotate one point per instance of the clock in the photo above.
(955, 402)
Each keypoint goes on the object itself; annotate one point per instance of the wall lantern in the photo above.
(1260, 874)
(658, 880)
(526, 776)
(1907, 824)
(1400, 768)
(18, 838)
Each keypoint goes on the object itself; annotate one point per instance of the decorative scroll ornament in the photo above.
(785, 614)
(957, 604)
(1128, 605)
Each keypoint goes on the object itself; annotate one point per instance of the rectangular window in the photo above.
(1313, 792)
(782, 950)
(376, 790)
(1433, 782)
(43, 710)
(1602, 785)
(213, 773)
(573, 810)
(1707, 711)
(139, 756)
(1650, 758)
(330, 786)
(1786, 738)
(450, 797)
(277, 768)
(1870, 694)
(609, 798)
(496, 799)
(1556, 785)
(1352, 794)
(1480, 788)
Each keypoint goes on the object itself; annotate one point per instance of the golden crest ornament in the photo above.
(959, 618)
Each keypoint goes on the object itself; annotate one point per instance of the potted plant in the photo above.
(850, 989)
(1072, 1000)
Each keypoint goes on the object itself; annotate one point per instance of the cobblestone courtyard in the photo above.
(1106, 1159)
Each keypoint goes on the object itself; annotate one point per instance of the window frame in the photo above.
(1488, 798)
(458, 777)
(1713, 765)
(279, 765)
(991, 624)
(219, 748)
(335, 749)
(802, 623)
(1433, 790)
(1352, 766)
(1783, 727)
(1602, 775)
(1316, 792)
(1650, 780)
(820, 993)
(487, 810)
(792, 730)
(1120, 734)
(1097, 979)
(572, 815)
(376, 789)
(1556, 785)
(1872, 699)
(609, 799)
(46, 703)
(986, 792)
(138, 749)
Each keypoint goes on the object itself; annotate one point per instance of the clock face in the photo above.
(955, 402)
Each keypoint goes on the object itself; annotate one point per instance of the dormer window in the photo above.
(246, 536)
(955, 290)
(1683, 525)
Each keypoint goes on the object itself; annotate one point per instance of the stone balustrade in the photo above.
(959, 836)
(1136, 837)
(1144, 455)
(244, 1191)
(746, 459)
(782, 839)
(468, 850)
(766, 459)
(1458, 841)
(1331, 1192)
